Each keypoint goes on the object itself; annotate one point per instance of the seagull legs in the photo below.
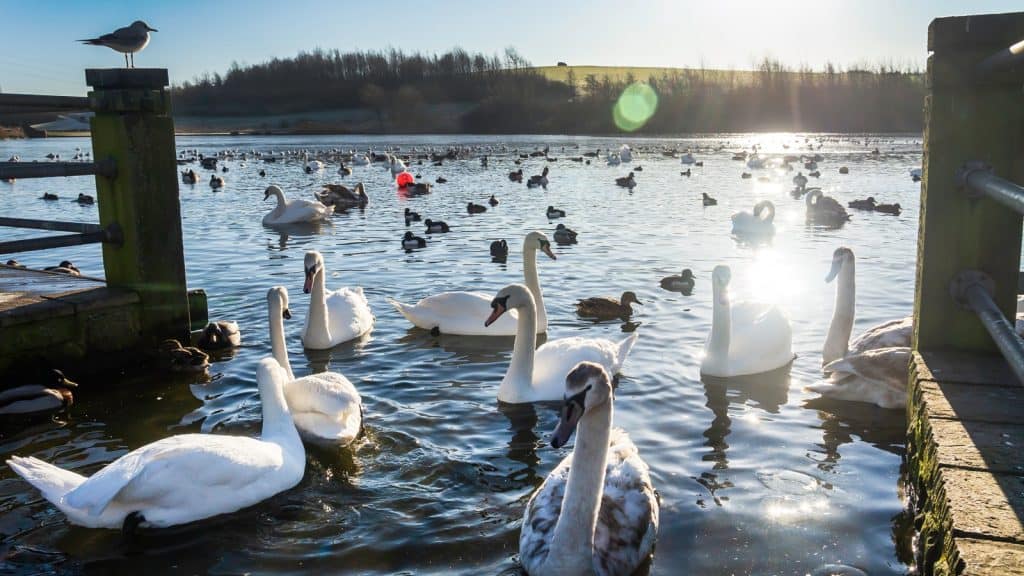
(133, 59)
(126, 60)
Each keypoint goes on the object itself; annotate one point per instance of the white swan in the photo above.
(625, 153)
(760, 222)
(360, 160)
(396, 165)
(460, 312)
(687, 159)
(326, 407)
(596, 512)
(182, 478)
(746, 337)
(311, 166)
(334, 317)
(539, 375)
(294, 211)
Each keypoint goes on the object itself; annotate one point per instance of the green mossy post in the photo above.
(133, 126)
(968, 116)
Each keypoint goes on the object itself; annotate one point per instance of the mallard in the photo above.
(436, 226)
(626, 181)
(189, 176)
(475, 208)
(606, 307)
(865, 204)
(216, 181)
(682, 283)
(38, 398)
(65, 267)
(889, 208)
(220, 336)
(417, 188)
(499, 249)
(553, 213)
(411, 241)
(516, 176)
(173, 357)
(564, 235)
(708, 200)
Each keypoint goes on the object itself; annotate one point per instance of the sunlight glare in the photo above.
(635, 106)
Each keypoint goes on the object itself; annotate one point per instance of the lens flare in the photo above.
(635, 106)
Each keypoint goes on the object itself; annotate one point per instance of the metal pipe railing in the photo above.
(1014, 55)
(110, 235)
(107, 168)
(973, 290)
(978, 180)
(67, 103)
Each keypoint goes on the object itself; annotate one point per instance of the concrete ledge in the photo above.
(965, 450)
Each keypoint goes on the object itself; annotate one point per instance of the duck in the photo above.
(865, 204)
(824, 209)
(688, 172)
(889, 208)
(916, 174)
(553, 213)
(436, 226)
(293, 211)
(844, 170)
(538, 374)
(539, 179)
(334, 316)
(189, 176)
(85, 200)
(48, 196)
(15, 264)
(311, 166)
(459, 313)
(184, 478)
(638, 168)
(683, 283)
(872, 368)
(441, 180)
(606, 307)
(499, 250)
(564, 235)
(411, 241)
(344, 170)
(800, 181)
(417, 188)
(626, 181)
(27, 399)
(65, 267)
(613, 159)
(216, 181)
(746, 175)
(475, 208)
(687, 159)
(492, 200)
(171, 356)
(411, 216)
(815, 174)
(220, 335)
(262, 173)
(746, 337)
(341, 197)
(756, 223)
(708, 200)
(326, 407)
(516, 176)
(597, 512)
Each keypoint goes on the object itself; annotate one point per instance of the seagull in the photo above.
(127, 40)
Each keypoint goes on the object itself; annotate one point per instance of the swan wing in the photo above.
(541, 515)
(348, 314)
(627, 522)
(556, 358)
(876, 376)
(301, 210)
(894, 333)
(326, 407)
(172, 469)
(460, 313)
(761, 339)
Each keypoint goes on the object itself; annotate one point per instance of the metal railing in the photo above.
(84, 233)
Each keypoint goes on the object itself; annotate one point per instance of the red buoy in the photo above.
(404, 179)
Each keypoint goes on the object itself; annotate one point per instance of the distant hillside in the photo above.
(633, 73)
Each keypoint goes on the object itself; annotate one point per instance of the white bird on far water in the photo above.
(127, 40)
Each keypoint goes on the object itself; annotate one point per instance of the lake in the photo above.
(760, 477)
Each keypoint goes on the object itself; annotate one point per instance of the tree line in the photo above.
(503, 94)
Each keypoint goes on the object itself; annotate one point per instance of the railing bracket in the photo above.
(964, 281)
(963, 173)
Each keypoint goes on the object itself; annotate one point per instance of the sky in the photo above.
(38, 53)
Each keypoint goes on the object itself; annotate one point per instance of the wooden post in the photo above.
(968, 116)
(133, 126)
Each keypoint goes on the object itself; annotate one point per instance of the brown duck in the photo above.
(606, 307)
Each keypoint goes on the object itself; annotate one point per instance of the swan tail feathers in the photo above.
(52, 481)
(625, 346)
(405, 310)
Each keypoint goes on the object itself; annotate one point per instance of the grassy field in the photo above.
(620, 73)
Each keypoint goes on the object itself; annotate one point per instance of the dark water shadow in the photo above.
(344, 353)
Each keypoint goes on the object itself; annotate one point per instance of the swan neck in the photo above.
(839, 330)
(277, 342)
(721, 326)
(278, 425)
(518, 381)
(572, 543)
(533, 283)
(318, 307)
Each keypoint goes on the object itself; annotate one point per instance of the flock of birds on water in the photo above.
(597, 511)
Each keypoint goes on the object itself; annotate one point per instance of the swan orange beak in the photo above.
(495, 314)
(308, 286)
(547, 250)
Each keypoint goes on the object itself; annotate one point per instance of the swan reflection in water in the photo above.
(522, 446)
(344, 353)
(300, 231)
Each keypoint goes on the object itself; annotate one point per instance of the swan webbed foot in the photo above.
(129, 529)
